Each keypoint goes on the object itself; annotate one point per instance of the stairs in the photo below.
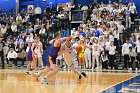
(119, 60)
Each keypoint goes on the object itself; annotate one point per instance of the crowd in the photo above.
(100, 35)
(104, 32)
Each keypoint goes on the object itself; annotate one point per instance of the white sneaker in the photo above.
(130, 69)
(64, 67)
(136, 70)
(37, 74)
(44, 81)
(97, 68)
(28, 73)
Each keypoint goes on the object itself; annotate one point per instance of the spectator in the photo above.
(112, 56)
(21, 56)
(3, 29)
(19, 19)
(125, 52)
(132, 58)
(42, 30)
(96, 49)
(12, 55)
(104, 59)
(138, 52)
(88, 54)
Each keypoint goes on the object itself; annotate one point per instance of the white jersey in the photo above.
(38, 49)
(69, 55)
(96, 49)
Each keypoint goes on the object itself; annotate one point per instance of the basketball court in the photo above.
(16, 81)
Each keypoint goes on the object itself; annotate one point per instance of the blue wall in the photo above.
(62, 1)
(7, 5)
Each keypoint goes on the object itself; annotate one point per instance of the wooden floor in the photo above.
(15, 81)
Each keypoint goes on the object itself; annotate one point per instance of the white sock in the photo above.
(45, 77)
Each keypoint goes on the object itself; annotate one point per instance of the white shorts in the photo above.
(75, 61)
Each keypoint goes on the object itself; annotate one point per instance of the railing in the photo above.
(79, 15)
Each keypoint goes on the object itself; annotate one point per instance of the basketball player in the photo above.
(51, 60)
(37, 49)
(69, 59)
(29, 58)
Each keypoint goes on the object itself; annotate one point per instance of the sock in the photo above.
(45, 77)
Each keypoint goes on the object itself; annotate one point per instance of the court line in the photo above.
(102, 91)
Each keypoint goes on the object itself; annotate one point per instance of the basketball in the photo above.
(78, 48)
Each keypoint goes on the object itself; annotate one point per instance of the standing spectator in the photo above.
(14, 27)
(42, 30)
(127, 17)
(67, 8)
(138, 51)
(20, 41)
(88, 54)
(84, 8)
(5, 51)
(3, 29)
(132, 58)
(125, 52)
(96, 49)
(18, 19)
(133, 11)
(116, 36)
(112, 57)
(29, 38)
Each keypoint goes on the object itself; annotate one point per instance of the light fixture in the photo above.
(44, 0)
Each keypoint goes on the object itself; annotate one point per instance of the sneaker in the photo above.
(80, 77)
(21, 67)
(130, 69)
(28, 73)
(64, 67)
(37, 74)
(84, 74)
(44, 81)
(136, 70)
(31, 69)
(42, 68)
(14, 67)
